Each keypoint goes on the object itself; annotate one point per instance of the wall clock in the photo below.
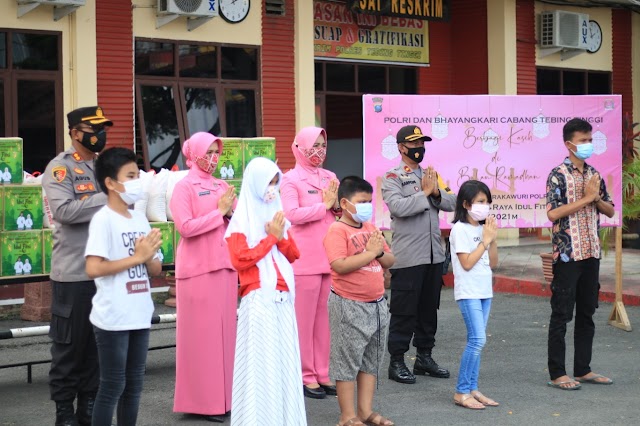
(234, 11)
(594, 37)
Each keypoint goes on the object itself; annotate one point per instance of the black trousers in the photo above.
(74, 356)
(415, 299)
(574, 284)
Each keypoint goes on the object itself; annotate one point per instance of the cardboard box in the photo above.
(168, 241)
(22, 208)
(47, 249)
(237, 183)
(11, 166)
(231, 163)
(259, 147)
(21, 253)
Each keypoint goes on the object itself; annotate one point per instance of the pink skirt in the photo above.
(205, 342)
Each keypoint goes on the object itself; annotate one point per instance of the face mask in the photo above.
(270, 194)
(208, 164)
(315, 155)
(363, 213)
(132, 191)
(583, 151)
(416, 154)
(479, 212)
(94, 142)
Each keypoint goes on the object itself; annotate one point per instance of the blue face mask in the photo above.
(363, 213)
(583, 151)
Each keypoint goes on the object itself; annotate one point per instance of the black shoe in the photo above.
(399, 372)
(214, 418)
(317, 393)
(426, 365)
(64, 413)
(84, 412)
(329, 389)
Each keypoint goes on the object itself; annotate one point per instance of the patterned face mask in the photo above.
(270, 194)
(208, 163)
(315, 155)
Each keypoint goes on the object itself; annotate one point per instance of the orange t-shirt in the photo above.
(245, 259)
(365, 284)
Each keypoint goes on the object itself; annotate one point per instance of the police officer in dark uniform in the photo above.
(73, 193)
(414, 197)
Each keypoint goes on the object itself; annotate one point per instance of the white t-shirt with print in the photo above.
(477, 282)
(122, 301)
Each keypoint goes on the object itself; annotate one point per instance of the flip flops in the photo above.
(566, 382)
(594, 380)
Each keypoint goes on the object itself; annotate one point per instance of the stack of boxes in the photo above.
(25, 247)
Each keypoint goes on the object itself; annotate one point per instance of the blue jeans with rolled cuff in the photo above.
(475, 313)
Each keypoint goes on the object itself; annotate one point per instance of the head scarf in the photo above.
(196, 147)
(303, 144)
(252, 214)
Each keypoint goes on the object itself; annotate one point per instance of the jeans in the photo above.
(122, 356)
(574, 284)
(475, 313)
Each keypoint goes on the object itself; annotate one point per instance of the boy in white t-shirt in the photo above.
(121, 253)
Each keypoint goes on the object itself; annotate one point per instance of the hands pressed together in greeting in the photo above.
(225, 203)
(430, 182)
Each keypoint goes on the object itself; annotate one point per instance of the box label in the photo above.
(11, 160)
(21, 253)
(167, 248)
(22, 208)
(230, 164)
(259, 147)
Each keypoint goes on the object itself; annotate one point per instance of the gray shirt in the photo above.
(74, 196)
(414, 217)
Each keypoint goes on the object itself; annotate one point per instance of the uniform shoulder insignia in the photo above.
(391, 176)
(407, 169)
(77, 157)
(59, 173)
(78, 170)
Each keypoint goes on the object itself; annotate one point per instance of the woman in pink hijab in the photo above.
(309, 196)
(206, 284)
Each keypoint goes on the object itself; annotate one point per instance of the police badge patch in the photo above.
(59, 173)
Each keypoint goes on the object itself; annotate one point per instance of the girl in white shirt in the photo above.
(474, 252)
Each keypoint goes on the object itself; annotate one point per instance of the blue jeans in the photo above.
(475, 313)
(122, 356)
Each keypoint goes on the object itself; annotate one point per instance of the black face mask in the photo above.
(415, 154)
(94, 142)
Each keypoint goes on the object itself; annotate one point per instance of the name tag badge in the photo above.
(200, 194)
(312, 191)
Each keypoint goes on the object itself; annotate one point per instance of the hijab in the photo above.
(252, 214)
(195, 148)
(301, 147)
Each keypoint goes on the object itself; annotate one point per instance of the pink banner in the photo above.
(511, 143)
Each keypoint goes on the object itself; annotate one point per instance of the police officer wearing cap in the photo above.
(414, 197)
(74, 196)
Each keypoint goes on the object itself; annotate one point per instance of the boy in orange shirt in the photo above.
(358, 312)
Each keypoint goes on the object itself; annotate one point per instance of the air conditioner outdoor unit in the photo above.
(192, 8)
(568, 30)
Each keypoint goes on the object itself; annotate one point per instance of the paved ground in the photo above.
(513, 372)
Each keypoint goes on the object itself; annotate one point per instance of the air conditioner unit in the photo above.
(568, 30)
(192, 8)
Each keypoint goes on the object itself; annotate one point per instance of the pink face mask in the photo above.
(315, 155)
(208, 164)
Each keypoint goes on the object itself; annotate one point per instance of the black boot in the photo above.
(399, 372)
(64, 413)
(84, 412)
(426, 365)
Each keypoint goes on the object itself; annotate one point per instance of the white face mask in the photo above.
(270, 194)
(479, 212)
(132, 191)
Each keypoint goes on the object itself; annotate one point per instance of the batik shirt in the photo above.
(575, 237)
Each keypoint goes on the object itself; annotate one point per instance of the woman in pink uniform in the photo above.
(206, 284)
(309, 196)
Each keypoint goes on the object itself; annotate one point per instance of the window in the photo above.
(31, 94)
(554, 81)
(183, 88)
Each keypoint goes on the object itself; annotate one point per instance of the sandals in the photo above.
(483, 399)
(352, 422)
(377, 419)
(558, 385)
(594, 380)
(468, 401)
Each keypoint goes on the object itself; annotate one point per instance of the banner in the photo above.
(431, 10)
(339, 33)
(511, 143)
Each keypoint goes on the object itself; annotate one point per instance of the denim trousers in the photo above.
(475, 313)
(122, 356)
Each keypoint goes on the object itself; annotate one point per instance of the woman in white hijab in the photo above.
(267, 383)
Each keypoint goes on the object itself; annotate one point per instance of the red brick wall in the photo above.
(469, 58)
(278, 82)
(114, 22)
(622, 43)
(526, 47)
(436, 79)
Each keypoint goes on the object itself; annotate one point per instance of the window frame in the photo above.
(586, 74)
(356, 66)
